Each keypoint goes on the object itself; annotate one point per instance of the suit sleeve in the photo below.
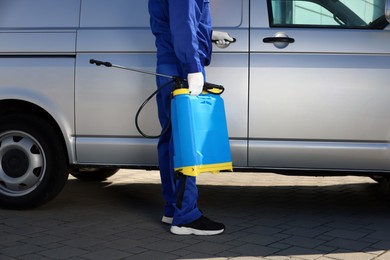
(184, 21)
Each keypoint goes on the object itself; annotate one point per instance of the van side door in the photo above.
(319, 87)
(107, 99)
(229, 67)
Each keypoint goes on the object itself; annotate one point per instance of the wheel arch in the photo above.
(14, 106)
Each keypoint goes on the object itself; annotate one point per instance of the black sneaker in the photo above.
(201, 227)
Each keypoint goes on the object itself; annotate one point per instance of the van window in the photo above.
(317, 13)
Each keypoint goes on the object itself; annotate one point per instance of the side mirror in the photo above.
(387, 10)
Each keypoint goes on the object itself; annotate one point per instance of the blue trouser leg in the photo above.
(165, 144)
(186, 208)
(182, 189)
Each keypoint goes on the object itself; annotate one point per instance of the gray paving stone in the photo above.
(42, 240)
(325, 237)
(181, 252)
(82, 242)
(254, 250)
(384, 244)
(226, 237)
(303, 242)
(342, 233)
(52, 245)
(136, 250)
(352, 245)
(123, 244)
(210, 248)
(20, 250)
(380, 234)
(105, 254)
(33, 257)
(265, 230)
(326, 249)
(151, 255)
(63, 252)
(165, 246)
(8, 238)
(227, 255)
(307, 232)
(305, 223)
(260, 239)
(5, 257)
(136, 234)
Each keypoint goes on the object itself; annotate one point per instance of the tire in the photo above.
(93, 174)
(33, 166)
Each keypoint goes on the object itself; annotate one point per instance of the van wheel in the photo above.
(32, 162)
(93, 174)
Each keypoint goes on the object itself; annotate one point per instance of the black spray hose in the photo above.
(143, 105)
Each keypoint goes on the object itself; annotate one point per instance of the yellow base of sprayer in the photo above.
(198, 169)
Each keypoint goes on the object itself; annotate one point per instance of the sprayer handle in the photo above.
(98, 63)
(209, 87)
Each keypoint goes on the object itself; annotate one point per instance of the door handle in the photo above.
(278, 39)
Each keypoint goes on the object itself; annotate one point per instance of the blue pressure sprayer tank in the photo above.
(200, 135)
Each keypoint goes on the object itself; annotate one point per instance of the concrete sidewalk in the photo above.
(267, 216)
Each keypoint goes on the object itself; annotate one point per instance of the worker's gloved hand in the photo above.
(195, 83)
(221, 39)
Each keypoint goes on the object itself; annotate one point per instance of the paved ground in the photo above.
(267, 217)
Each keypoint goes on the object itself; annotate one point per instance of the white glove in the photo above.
(195, 83)
(221, 39)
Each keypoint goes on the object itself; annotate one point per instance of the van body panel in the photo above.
(119, 151)
(114, 14)
(42, 14)
(39, 43)
(115, 41)
(320, 155)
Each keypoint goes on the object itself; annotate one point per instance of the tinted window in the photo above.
(323, 13)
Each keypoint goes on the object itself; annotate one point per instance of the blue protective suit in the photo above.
(183, 39)
(183, 32)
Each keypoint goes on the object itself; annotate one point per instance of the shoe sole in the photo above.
(191, 231)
